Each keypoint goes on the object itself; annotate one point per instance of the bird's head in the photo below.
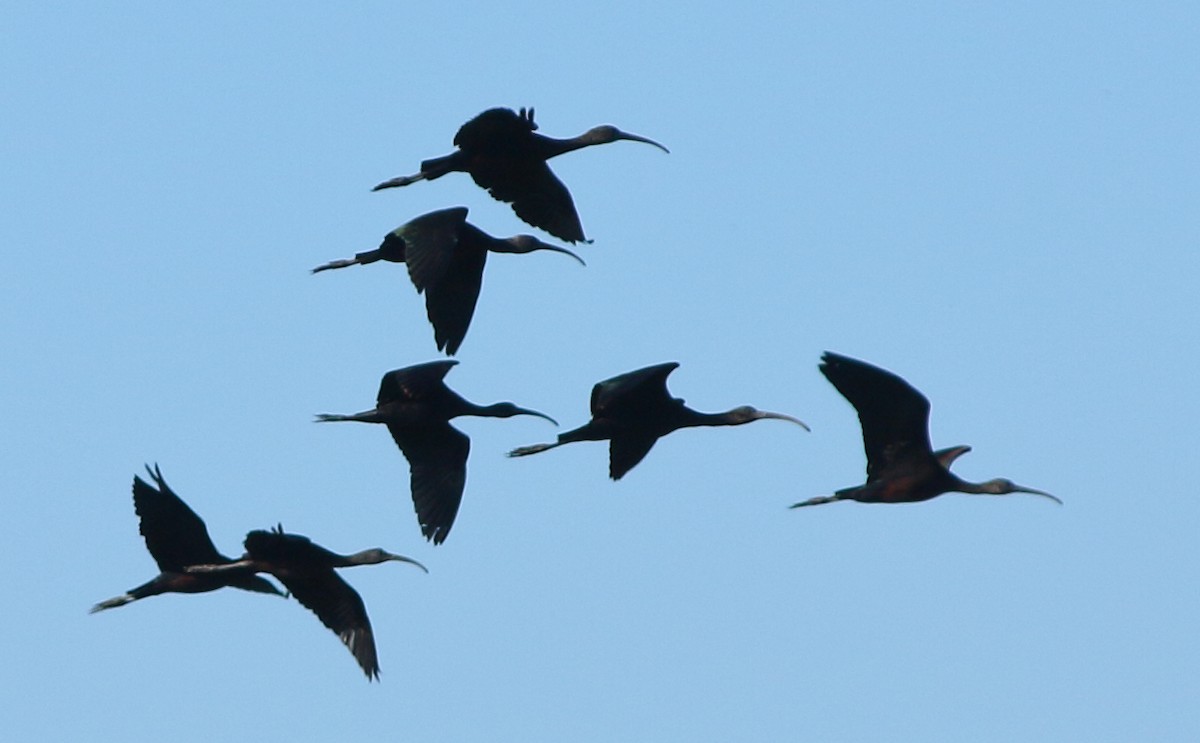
(607, 133)
(746, 413)
(1003, 486)
(529, 243)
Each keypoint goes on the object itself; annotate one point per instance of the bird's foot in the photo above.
(522, 451)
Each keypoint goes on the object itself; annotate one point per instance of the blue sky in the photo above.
(997, 203)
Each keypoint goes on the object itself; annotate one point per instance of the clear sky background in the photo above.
(999, 204)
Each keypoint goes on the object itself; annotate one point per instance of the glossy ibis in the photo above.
(901, 465)
(503, 154)
(307, 570)
(176, 537)
(445, 256)
(416, 405)
(634, 409)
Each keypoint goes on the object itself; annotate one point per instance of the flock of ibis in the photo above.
(445, 256)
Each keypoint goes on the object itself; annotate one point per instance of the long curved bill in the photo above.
(409, 560)
(557, 249)
(636, 138)
(1042, 493)
(782, 417)
(527, 411)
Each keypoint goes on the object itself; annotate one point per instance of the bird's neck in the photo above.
(550, 147)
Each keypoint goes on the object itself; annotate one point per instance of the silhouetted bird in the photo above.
(501, 152)
(901, 465)
(445, 256)
(634, 409)
(307, 570)
(416, 405)
(176, 537)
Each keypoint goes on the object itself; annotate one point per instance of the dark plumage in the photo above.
(633, 410)
(901, 465)
(176, 538)
(307, 569)
(503, 155)
(416, 405)
(445, 256)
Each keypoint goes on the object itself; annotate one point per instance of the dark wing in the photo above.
(431, 242)
(625, 450)
(339, 607)
(414, 382)
(636, 390)
(437, 462)
(494, 129)
(537, 196)
(175, 536)
(893, 414)
(450, 303)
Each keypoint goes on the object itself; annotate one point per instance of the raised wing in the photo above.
(494, 129)
(175, 536)
(413, 382)
(430, 245)
(893, 414)
(437, 461)
(635, 390)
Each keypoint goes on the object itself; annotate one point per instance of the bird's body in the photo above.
(416, 406)
(501, 151)
(633, 410)
(445, 256)
(308, 572)
(901, 464)
(176, 538)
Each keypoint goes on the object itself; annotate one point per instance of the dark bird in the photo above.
(416, 405)
(902, 467)
(307, 570)
(445, 256)
(634, 409)
(501, 152)
(176, 538)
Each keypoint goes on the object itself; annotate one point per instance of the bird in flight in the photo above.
(633, 410)
(308, 571)
(445, 256)
(416, 406)
(501, 151)
(176, 538)
(902, 466)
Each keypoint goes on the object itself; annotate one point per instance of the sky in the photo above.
(997, 202)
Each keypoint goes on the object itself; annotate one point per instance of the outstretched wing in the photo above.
(414, 382)
(431, 244)
(437, 461)
(537, 196)
(340, 608)
(625, 450)
(450, 303)
(893, 414)
(305, 569)
(175, 536)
